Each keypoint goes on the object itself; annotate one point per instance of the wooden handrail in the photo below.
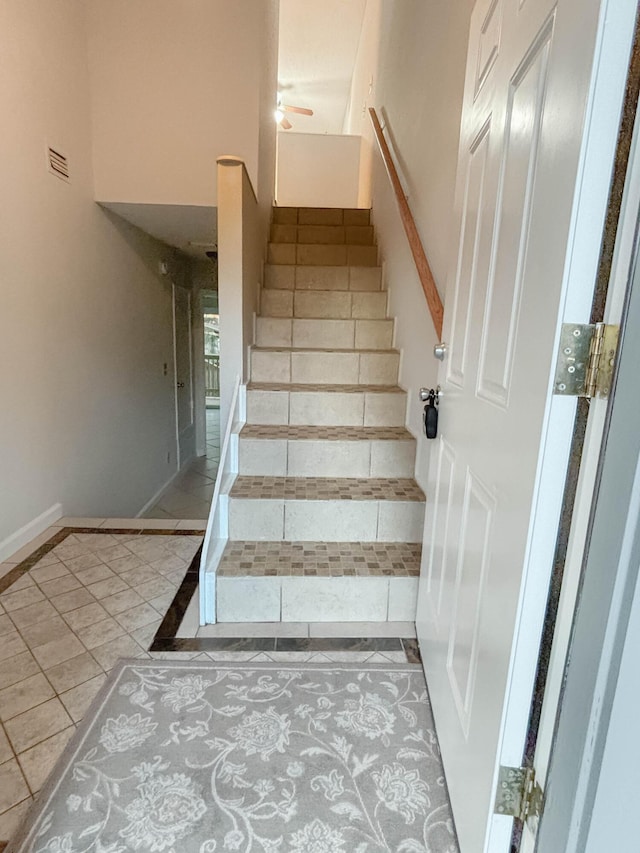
(415, 243)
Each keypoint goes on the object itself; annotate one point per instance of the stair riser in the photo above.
(325, 368)
(321, 216)
(314, 334)
(323, 305)
(327, 235)
(309, 253)
(326, 408)
(326, 521)
(291, 277)
(326, 458)
(316, 599)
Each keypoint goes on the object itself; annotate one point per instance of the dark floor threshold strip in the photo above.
(288, 644)
(178, 607)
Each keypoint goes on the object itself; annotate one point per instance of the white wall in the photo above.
(87, 417)
(415, 53)
(174, 86)
(317, 170)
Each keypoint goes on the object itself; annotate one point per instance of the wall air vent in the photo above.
(58, 163)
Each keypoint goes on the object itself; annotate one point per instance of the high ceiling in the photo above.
(318, 47)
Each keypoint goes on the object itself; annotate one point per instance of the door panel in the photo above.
(472, 227)
(473, 556)
(526, 91)
(513, 210)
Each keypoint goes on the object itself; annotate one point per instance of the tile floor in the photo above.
(190, 494)
(67, 613)
(89, 591)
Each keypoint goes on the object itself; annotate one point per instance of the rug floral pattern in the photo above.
(200, 758)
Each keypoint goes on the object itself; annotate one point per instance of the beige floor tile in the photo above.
(72, 600)
(24, 582)
(125, 564)
(101, 632)
(40, 633)
(109, 653)
(73, 521)
(11, 819)
(11, 645)
(96, 574)
(6, 625)
(24, 695)
(121, 601)
(13, 786)
(57, 651)
(107, 587)
(144, 636)
(137, 617)
(78, 699)
(12, 600)
(39, 612)
(36, 725)
(40, 760)
(85, 561)
(60, 585)
(156, 587)
(72, 672)
(48, 572)
(136, 577)
(5, 749)
(17, 669)
(86, 615)
(192, 524)
(139, 523)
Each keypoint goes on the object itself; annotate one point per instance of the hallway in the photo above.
(189, 496)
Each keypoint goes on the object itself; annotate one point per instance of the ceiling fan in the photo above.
(281, 118)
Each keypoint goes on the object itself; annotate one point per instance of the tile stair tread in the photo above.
(331, 389)
(243, 558)
(325, 433)
(327, 488)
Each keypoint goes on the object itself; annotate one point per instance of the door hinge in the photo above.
(519, 795)
(586, 359)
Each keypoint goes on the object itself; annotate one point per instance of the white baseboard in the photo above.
(34, 528)
(164, 488)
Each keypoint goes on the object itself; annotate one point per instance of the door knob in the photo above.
(427, 393)
(440, 350)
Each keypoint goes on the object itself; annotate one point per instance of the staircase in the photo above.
(325, 518)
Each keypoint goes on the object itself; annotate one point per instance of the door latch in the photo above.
(432, 398)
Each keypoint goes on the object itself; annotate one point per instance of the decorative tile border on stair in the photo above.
(315, 386)
(327, 488)
(325, 433)
(329, 559)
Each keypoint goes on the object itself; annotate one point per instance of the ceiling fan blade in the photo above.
(303, 111)
(285, 124)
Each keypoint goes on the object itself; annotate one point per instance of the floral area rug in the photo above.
(190, 757)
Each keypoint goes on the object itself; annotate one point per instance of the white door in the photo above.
(185, 424)
(497, 473)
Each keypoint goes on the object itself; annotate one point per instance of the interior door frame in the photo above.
(613, 283)
(179, 460)
(606, 604)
